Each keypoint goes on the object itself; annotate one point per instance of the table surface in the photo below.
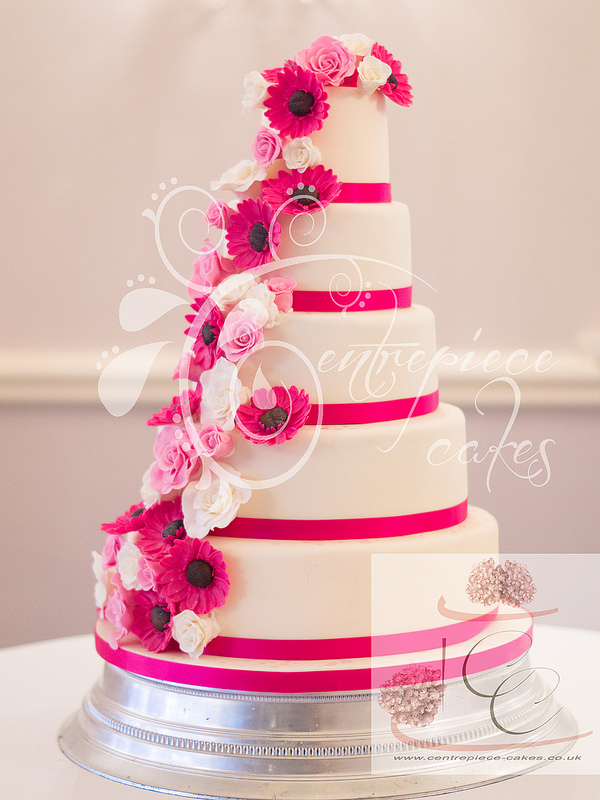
(43, 683)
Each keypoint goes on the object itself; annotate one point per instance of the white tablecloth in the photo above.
(43, 683)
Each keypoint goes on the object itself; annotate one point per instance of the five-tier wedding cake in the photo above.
(303, 556)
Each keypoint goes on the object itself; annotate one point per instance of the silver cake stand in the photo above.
(207, 743)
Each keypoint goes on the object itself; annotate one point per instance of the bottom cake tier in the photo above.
(385, 727)
(505, 637)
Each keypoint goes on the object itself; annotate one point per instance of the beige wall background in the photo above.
(498, 161)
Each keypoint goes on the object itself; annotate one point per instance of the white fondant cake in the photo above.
(304, 582)
(306, 438)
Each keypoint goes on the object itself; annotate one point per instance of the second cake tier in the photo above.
(385, 470)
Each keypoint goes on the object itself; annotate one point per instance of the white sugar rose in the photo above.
(214, 505)
(372, 73)
(100, 589)
(301, 153)
(222, 395)
(128, 565)
(260, 302)
(357, 43)
(148, 494)
(194, 631)
(233, 289)
(255, 91)
(240, 177)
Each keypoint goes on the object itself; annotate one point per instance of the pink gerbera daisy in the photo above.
(181, 407)
(253, 234)
(193, 576)
(274, 415)
(296, 105)
(163, 526)
(298, 192)
(397, 87)
(205, 327)
(270, 75)
(129, 521)
(152, 621)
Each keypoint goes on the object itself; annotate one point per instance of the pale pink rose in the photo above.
(188, 369)
(111, 547)
(145, 576)
(176, 460)
(264, 398)
(266, 147)
(241, 335)
(329, 59)
(119, 614)
(282, 288)
(207, 271)
(217, 214)
(215, 442)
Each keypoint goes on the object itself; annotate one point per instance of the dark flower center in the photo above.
(172, 528)
(305, 195)
(301, 103)
(199, 573)
(273, 418)
(259, 236)
(208, 333)
(137, 512)
(393, 80)
(160, 618)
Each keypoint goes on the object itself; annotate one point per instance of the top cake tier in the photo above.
(330, 224)
(353, 141)
(315, 199)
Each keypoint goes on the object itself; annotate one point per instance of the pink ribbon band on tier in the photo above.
(341, 529)
(351, 647)
(373, 300)
(364, 193)
(163, 667)
(382, 411)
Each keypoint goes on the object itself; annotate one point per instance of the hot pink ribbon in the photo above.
(351, 647)
(191, 673)
(364, 193)
(341, 529)
(383, 411)
(377, 300)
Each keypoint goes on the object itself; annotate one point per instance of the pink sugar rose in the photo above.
(282, 288)
(241, 335)
(188, 368)
(176, 460)
(145, 576)
(207, 271)
(266, 147)
(329, 59)
(214, 442)
(217, 214)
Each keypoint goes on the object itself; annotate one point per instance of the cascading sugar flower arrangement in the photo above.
(158, 578)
